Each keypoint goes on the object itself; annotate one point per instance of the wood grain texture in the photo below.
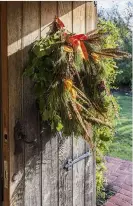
(65, 177)
(94, 178)
(90, 163)
(50, 170)
(89, 174)
(50, 174)
(78, 144)
(78, 17)
(94, 154)
(4, 103)
(40, 179)
(31, 32)
(78, 172)
(91, 16)
(14, 16)
(65, 13)
(65, 144)
(48, 13)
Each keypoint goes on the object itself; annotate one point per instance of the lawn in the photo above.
(122, 143)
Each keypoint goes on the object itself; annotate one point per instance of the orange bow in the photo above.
(75, 40)
(77, 43)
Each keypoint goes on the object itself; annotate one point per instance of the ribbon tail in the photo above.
(84, 50)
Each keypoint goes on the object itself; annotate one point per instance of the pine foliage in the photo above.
(72, 76)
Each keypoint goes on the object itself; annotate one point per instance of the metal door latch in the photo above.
(68, 165)
(5, 174)
(20, 136)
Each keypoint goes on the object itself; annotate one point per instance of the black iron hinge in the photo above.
(19, 137)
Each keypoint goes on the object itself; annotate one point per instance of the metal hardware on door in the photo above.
(5, 137)
(70, 162)
(20, 136)
(95, 3)
(5, 174)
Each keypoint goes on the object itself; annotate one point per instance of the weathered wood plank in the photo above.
(79, 17)
(89, 173)
(65, 13)
(94, 178)
(49, 170)
(91, 16)
(50, 187)
(65, 177)
(48, 13)
(31, 32)
(65, 144)
(14, 16)
(90, 167)
(78, 172)
(78, 144)
(94, 154)
(4, 105)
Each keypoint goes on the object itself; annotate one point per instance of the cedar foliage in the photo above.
(72, 76)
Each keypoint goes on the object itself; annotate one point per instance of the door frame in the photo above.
(4, 108)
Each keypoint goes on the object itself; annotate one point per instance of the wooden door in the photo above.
(37, 176)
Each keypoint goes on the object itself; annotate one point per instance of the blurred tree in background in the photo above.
(120, 25)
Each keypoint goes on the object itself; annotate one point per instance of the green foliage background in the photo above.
(120, 36)
(121, 27)
(104, 135)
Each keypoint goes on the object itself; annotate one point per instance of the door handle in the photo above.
(19, 137)
(71, 162)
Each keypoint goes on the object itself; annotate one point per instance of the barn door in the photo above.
(37, 174)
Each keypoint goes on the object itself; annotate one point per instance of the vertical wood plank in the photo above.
(89, 174)
(4, 103)
(91, 16)
(94, 154)
(50, 188)
(14, 15)
(90, 162)
(83, 174)
(79, 17)
(78, 144)
(65, 14)
(48, 13)
(78, 172)
(49, 170)
(65, 144)
(65, 177)
(31, 32)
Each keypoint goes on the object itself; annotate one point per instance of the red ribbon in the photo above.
(79, 37)
(76, 40)
(59, 22)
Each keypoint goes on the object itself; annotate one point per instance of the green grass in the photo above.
(122, 144)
